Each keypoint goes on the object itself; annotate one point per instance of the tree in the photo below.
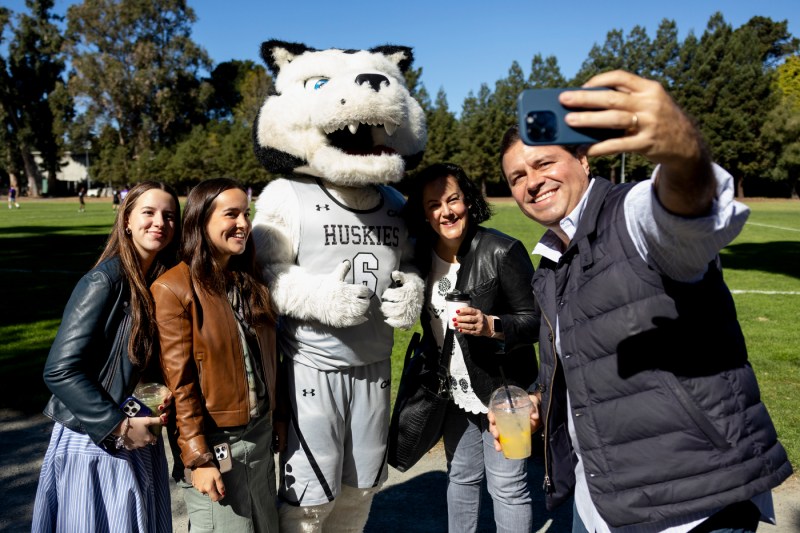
(633, 53)
(729, 91)
(782, 137)
(782, 129)
(443, 130)
(788, 79)
(610, 56)
(224, 145)
(135, 70)
(665, 52)
(477, 140)
(545, 73)
(32, 95)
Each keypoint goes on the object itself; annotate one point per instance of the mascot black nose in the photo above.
(374, 80)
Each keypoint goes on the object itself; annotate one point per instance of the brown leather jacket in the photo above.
(202, 362)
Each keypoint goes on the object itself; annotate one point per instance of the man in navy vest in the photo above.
(652, 414)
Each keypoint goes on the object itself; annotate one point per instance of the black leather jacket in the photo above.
(88, 369)
(496, 271)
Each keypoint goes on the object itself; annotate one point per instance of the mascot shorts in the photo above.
(338, 431)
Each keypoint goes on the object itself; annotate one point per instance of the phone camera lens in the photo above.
(541, 126)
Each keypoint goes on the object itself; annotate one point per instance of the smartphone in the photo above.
(222, 453)
(133, 407)
(541, 119)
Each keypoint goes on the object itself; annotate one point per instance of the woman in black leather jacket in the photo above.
(494, 335)
(102, 470)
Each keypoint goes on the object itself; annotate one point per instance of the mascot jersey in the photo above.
(371, 240)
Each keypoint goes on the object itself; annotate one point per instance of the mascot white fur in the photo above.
(340, 127)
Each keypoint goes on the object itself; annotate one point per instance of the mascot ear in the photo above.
(277, 54)
(401, 55)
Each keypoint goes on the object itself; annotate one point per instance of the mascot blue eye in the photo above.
(316, 82)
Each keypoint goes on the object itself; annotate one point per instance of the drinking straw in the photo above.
(505, 386)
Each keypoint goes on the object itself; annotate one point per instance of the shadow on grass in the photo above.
(779, 257)
(49, 252)
(39, 277)
(21, 383)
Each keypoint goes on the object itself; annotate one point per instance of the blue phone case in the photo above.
(541, 119)
(133, 407)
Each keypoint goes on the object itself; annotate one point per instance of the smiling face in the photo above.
(151, 224)
(547, 182)
(447, 213)
(228, 224)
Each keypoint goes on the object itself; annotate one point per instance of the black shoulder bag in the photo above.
(420, 406)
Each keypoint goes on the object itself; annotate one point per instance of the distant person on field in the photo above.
(652, 413)
(115, 200)
(81, 194)
(102, 470)
(12, 197)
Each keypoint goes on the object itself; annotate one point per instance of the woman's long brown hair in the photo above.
(144, 333)
(206, 272)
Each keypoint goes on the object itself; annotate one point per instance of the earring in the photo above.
(128, 231)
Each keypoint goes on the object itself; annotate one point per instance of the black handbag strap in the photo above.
(444, 362)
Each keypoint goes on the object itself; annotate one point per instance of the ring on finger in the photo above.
(634, 127)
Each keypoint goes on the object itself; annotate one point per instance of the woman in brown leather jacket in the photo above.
(218, 356)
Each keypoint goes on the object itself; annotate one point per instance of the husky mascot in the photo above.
(340, 126)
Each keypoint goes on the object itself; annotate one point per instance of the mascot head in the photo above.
(342, 115)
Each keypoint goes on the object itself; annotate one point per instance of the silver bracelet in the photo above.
(119, 440)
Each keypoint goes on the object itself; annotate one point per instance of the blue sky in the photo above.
(458, 44)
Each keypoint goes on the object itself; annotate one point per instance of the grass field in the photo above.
(47, 245)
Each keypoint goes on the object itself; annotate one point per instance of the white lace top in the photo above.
(441, 280)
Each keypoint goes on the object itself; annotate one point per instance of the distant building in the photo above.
(71, 176)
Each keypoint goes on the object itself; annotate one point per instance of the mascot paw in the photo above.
(402, 302)
(343, 304)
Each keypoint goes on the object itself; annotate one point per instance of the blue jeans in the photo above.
(739, 517)
(471, 457)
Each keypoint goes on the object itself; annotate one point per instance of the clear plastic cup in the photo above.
(152, 395)
(455, 300)
(513, 421)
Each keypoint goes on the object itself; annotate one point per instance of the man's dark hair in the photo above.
(511, 136)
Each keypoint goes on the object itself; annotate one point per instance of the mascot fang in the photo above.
(340, 126)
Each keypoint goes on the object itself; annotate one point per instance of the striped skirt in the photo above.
(83, 488)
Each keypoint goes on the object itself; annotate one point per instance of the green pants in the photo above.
(249, 502)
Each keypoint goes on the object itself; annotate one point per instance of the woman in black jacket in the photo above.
(104, 471)
(494, 335)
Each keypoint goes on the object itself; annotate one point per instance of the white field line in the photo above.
(741, 291)
(773, 227)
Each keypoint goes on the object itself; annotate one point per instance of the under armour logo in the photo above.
(326, 207)
(308, 392)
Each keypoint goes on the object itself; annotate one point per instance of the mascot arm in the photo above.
(295, 292)
(402, 301)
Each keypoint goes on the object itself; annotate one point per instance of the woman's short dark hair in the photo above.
(414, 210)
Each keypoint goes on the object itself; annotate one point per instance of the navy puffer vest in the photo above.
(667, 409)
